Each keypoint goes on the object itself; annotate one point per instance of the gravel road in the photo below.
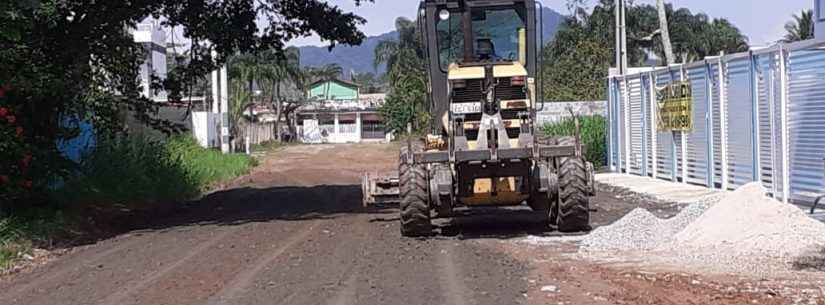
(293, 232)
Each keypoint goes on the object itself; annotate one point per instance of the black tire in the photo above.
(415, 209)
(574, 204)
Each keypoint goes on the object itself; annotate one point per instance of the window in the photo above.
(500, 26)
(820, 7)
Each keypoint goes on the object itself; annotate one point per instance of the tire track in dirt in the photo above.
(65, 267)
(450, 276)
(242, 281)
(130, 288)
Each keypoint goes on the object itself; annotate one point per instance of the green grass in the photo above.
(126, 173)
(593, 133)
(137, 171)
(18, 234)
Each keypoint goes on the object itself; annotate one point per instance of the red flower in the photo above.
(3, 111)
(11, 119)
(4, 179)
(19, 131)
(2, 92)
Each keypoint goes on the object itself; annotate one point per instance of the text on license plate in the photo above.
(464, 108)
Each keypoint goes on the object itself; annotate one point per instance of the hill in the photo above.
(360, 58)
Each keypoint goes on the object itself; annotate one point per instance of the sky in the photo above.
(762, 21)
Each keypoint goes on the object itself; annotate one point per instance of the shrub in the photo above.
(136, 171)
(593, 133)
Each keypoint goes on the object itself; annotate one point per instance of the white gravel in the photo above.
(641, 230)
(744, 233)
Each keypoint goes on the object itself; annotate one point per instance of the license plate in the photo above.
(465, 108)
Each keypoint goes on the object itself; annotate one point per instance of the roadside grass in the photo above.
(135, 172)
(269, 146)
(118, 176)
(593, 133)
(19, 234)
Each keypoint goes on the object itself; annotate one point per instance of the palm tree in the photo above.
(407, 49)
(801, 28)
(278, 68)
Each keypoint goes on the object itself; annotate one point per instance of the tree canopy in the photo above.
(801, 28)
(77, 60)
(577, 60)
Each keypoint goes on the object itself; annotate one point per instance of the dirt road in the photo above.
(293, 232)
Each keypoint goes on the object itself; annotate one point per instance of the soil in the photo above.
(294, 232)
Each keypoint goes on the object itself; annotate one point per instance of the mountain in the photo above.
(360, 58)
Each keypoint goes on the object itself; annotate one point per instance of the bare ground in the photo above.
(294, 232)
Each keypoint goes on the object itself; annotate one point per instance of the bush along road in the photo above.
(293, 231)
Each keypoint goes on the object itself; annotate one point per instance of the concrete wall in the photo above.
(556, 111)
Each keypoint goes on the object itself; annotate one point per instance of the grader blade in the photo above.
(380, 189)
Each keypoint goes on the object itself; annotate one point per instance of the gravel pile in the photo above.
(745, 232)
(641, 230)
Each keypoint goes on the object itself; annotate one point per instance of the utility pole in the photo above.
(660, 5)
(621, 38)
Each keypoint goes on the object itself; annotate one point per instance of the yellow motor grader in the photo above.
(483, 149)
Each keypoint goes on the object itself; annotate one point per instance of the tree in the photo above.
(77, 59)
(801, 28)
(576, 62)
(405, 103)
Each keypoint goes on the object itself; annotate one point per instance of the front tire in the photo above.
(415, 209)
(574, 203)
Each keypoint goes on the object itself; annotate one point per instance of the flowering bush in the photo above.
(15, 153)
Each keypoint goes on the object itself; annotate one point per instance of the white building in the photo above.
(151, 35)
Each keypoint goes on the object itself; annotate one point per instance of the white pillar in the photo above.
(783, 110)
(358, 134)
(626, 135)
(337, 131)
(654, 158)
(224, 110)
(723, 122)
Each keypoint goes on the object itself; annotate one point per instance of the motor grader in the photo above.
(482, 149)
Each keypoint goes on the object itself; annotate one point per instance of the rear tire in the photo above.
(415, 209)
(574, 203)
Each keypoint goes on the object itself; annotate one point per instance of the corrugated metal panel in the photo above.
(634, 88)
(806, 121)
(664, 141)
(765, 81)
(740, 123)
(697, 139)
(716, 124)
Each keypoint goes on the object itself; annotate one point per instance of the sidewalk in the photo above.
(658, 189)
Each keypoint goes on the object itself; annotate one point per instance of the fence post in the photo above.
(709, 149)
(783, 104)
(643, 109)
(653, 128)
(723, 119)
(626, 100)
(609, 126)
(684, 135)
(754, 83)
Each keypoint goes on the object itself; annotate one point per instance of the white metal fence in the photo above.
(758, 116)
